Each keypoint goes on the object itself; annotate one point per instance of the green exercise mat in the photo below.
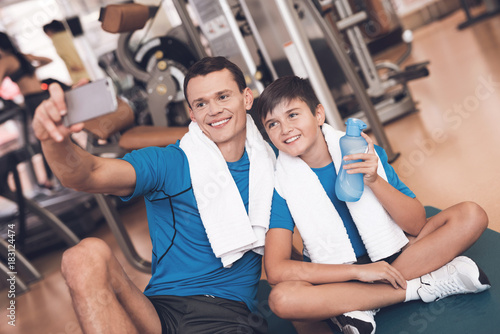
(461, 314)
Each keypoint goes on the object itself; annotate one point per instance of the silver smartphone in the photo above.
(92, 100)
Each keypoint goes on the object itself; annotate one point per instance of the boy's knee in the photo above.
(475, 214)
(277, 301)
(281, 300)
(83, 260)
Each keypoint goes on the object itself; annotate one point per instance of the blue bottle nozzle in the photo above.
(354, 127)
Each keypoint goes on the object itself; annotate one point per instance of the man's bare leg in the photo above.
(444, 237)
(104, 298)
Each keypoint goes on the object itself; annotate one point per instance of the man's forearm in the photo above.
(71, 164)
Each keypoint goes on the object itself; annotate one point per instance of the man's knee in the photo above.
(84, 259)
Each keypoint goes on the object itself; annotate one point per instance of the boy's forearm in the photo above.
(407, 212)
(314, 273)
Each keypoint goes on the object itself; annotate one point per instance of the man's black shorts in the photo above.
(206, 315)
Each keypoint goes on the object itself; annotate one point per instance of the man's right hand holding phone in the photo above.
(48, 119)
(74, 167)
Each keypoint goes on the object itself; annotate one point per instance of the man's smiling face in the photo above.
(218, 106)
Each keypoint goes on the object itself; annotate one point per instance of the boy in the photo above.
(208, 200)
(385, 233)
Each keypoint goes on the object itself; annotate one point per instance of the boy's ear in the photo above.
(320, 114)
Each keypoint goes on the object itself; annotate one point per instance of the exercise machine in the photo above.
(322, 41)
(388, 92)
(156, 65)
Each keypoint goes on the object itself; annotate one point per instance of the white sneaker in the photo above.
(356, 322)
(460, 275)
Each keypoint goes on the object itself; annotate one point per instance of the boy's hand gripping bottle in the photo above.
(349, 187)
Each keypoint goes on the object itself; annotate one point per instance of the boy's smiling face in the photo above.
(293, 128)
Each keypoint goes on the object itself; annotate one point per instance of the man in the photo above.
(205, 264)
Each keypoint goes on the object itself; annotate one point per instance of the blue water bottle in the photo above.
(349, 187)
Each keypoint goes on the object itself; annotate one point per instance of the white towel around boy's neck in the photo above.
(321, 228)
(231, 231)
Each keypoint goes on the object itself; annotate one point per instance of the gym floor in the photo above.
(449, 153)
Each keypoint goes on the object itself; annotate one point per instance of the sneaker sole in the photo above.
(482, 278)
(349, 329)
(345, 328)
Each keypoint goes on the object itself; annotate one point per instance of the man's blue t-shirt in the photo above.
(282, 218)
(183, 262)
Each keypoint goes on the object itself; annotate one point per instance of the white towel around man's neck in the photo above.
(231, 231)
(321, 228)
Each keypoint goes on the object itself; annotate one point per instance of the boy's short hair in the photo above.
(208, 65)
(286, 89)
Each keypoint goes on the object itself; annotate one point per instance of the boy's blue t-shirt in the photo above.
(282, 218)
(187, 265)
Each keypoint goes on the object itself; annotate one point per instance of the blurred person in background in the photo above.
(21, 69)
(63, 43)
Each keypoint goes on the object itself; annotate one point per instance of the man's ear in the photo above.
(248, 96)
(191, 115)
(320, 114)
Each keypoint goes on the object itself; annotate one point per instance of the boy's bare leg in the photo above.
(302, 301)
(104, 298)
(444, 236)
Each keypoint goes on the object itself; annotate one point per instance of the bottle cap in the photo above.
(354, 127)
